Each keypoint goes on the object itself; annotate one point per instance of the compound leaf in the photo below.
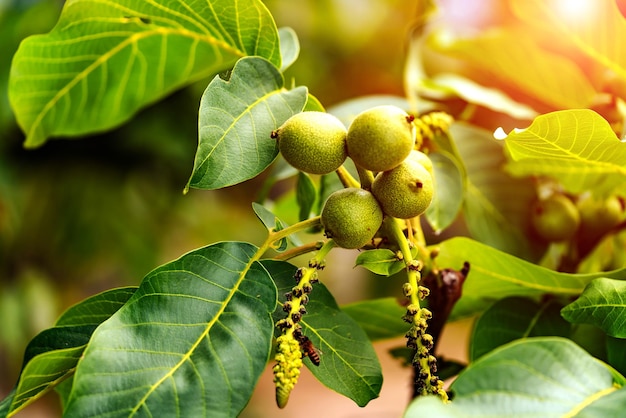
(237, 117)
(192, 340)
(576, 147)
(104, 61)
(349, 364)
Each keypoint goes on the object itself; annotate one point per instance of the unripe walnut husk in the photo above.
(599, 216)
(406, 191)
(380, 138)
(313, 142)
(555, 218)
(351, 217)
(423, 159)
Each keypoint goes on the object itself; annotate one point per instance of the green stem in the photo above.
(366, 177)
(346, 178)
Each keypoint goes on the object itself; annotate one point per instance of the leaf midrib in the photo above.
(202, 336)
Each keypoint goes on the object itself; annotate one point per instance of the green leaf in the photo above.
(449, 190)
(603, 304)
(237, 117)
(273, 223)
(496, 206)
(576, 147)
(289, 47)
(495, 275)
(305, 195)
(52, 355)
(192, 340)
(514, 318)
(538, 376)
(104, 61)
(347, 110)
(381, 261)
(379, 318)
(615, 350)
(349, 364)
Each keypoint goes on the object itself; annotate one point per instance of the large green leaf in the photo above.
(237, 117)
(540, 74)
(349, 364)
(53, 354)
(535, 377)
(496, 205)
(513, 318)
(576, 147)
(495, 275)
(603, 304)
(595, 28)
(103, 61)
(192, 340)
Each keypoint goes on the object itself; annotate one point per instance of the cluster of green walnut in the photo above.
(561, 217)
(381, 140)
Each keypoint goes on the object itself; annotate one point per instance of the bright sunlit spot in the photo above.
(576, 11)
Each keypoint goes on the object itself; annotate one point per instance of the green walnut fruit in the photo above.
(351, 217)
(406, 191)
(380, 138)
(599, 216)
(423, 159)
(313, 142)
(555, 219)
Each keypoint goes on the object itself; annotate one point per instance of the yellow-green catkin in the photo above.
(429, 125)
(287, 369)
(289, 352)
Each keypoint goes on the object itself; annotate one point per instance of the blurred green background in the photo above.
(84, 215)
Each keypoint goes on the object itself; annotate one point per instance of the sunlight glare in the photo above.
(575, 11)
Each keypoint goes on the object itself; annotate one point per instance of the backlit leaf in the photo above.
(603, 304)
(104, 61)
(192, 340)
(496, 205)
(546, 377)
(543, 75)
(495, 275)
(237, 117)
(595, 28)
(349, 364)
(576, 147)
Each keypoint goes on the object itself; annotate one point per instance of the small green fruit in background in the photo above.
(555, 219)
(599, 216)
(406, 191)
(313, 142)
(351, 217)
(380, 138)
